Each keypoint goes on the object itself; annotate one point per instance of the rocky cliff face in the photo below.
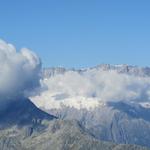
(115, 122)
(126, 69)
(58, 135)
(124, 121)
(25, 127)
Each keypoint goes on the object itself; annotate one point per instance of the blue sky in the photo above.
(79, 33)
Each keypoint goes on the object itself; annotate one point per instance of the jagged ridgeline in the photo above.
(124, 68)
(25, 127)
(122, 118)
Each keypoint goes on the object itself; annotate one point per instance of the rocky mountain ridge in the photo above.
(124, 68)
(25, 127)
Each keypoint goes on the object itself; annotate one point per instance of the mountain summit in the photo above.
(123, 68)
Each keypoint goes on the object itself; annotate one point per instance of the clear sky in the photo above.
(79, 33)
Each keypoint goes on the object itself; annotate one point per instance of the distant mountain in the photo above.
(116, 122)
(25, 127)
(127, 69)
(22, 112)
(59, 135)
(124, 121)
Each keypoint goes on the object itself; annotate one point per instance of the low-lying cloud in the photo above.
(101, 86)
(19, 71)
(20, 75)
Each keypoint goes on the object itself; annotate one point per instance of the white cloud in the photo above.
(19, 71)
(19, 75)
(93, 85)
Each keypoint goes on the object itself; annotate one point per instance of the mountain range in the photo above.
(70, 112)
(25, 127)
(123, 68)
(119, 121)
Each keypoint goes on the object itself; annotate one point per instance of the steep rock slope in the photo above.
(122, 117)
(25, 127)
(117, 122)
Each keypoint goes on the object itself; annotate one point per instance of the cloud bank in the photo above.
(20, 75)
(91, 88)
(19, 71)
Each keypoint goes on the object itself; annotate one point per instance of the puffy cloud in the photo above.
(94, 86)
(19, 71)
